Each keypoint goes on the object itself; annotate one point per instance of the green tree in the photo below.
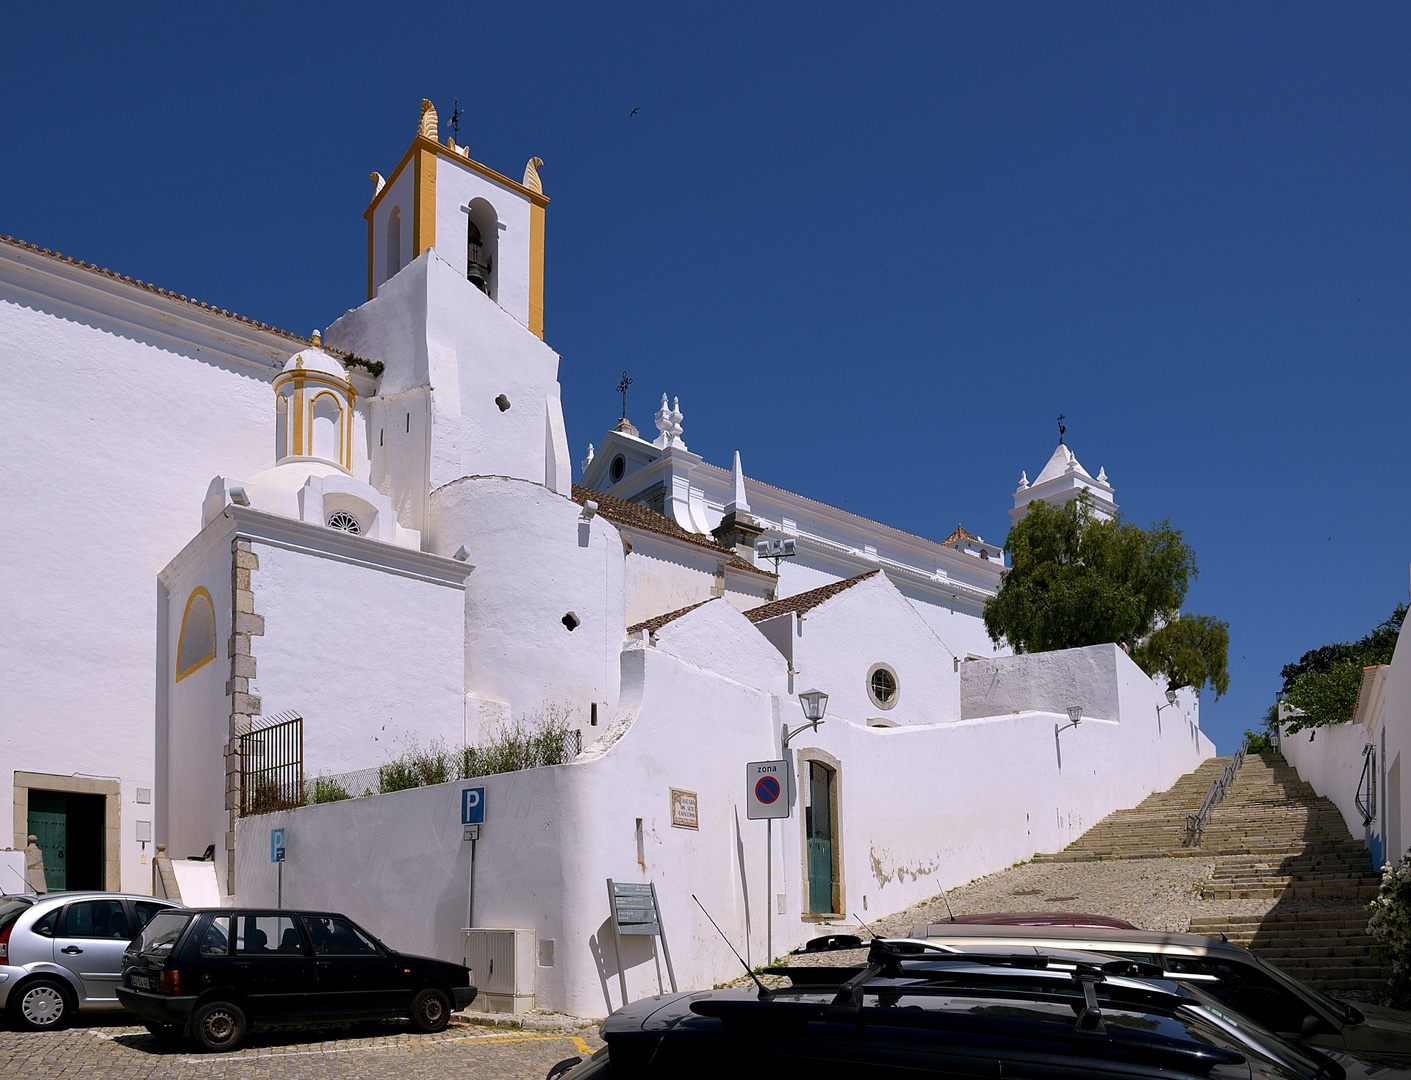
(1323, 683)
(1076, 579)
(1190, 650)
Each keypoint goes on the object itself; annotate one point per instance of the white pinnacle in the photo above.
(738, 503)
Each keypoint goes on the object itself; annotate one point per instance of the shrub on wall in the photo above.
(546, 739)
(1390, 927)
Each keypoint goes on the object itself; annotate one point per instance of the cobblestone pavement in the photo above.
(114, 1048)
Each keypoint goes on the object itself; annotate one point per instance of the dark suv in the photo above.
(212, 974)
(913, 1014)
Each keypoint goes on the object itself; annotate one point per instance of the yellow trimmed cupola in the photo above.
(314, 402)
(487, 226)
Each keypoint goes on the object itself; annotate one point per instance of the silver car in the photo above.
(1234, 975)
(63, 952)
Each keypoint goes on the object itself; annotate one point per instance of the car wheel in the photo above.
(44, 1005)
(218, 1026)
(431, 1011)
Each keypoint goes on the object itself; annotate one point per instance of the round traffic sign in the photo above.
(766, 790)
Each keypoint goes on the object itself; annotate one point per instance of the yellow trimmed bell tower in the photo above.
(481, 222)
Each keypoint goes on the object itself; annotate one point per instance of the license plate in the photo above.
(141, 982)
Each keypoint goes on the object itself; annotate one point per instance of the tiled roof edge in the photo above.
(104, 271)
(805, 601)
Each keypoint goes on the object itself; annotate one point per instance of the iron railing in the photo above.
(272, 767)
(1366, 797)
(1195, 823)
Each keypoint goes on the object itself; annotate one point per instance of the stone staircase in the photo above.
(1151, 830)
(1289, 881)
(1276, 841)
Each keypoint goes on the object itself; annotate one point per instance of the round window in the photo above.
(617, 468)
(344, 522)
(882, 686)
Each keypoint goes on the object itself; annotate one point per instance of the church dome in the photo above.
(314, 410)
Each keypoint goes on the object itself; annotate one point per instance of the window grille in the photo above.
(344, 522)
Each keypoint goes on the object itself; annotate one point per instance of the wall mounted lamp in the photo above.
(814, 704)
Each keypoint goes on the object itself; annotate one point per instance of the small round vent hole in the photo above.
(571, 621)
(503, 402)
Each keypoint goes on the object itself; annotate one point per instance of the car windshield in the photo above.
(1298, 1059)
(1337, 1008)
(12, 907)
(161, 933)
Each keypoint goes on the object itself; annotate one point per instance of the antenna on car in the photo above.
(864, 925)
(765, 993)
(948, 910)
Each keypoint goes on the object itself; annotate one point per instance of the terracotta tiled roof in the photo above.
(153, 289)
(653, 625)
(805, 601)
(635, 516)
(962, 533)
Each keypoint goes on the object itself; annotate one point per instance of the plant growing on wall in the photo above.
(1390, 927)
(1076, 579)
(1323, 682)
(546, 739)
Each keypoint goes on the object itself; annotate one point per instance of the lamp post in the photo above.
(814, 704)
(1170, 700)
(1075, 716)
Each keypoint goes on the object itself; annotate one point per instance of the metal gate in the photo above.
(272, 767)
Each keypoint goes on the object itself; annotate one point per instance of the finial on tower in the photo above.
(739, 503)
(1061, 429)
(589, 459)
(426, 126)
(317, 339)
(378, 183)
(531, 175)
(1023, 480)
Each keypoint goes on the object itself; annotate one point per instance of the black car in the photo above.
(214, 973)
(909, 1014)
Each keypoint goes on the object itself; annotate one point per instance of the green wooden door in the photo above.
(818, 830)
(49, 822)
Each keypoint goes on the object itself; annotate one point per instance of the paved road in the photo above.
(112, 1048)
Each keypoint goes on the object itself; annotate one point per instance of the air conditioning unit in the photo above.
(501, 966)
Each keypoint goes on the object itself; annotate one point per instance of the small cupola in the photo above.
(314, 409)
(477, 259)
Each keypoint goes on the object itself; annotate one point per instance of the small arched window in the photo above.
(196, 643)
(326, 428)
(394, 241)
(281, 427)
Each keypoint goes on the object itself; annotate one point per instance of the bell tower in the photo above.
(488, 227)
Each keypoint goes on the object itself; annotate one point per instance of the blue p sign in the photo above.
(473, 806)
(276, 845)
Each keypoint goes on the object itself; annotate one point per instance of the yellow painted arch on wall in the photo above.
(199, 649)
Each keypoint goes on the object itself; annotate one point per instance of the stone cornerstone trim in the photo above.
(244, 626)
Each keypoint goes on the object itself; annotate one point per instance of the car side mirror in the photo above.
(1311, 1026)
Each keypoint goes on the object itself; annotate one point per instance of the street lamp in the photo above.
(814, 704)
(1170, 700)
(1075, 716)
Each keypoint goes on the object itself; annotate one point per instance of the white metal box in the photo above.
(501, 966)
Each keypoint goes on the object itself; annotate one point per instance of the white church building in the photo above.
(373, 537)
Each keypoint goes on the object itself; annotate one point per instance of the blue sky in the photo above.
(875, 248)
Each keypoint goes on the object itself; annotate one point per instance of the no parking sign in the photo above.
(766, 789)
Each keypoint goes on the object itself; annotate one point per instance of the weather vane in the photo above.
(622, 386)
(455, 118)
(1061, 429)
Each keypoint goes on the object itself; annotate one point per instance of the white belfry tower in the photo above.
(1063, 478)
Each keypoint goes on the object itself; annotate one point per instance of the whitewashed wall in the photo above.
(129, 404)
(433, 328)
(537, 561)
(456, 186)
(1330, 759)
(373, 661)
(923, 808)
